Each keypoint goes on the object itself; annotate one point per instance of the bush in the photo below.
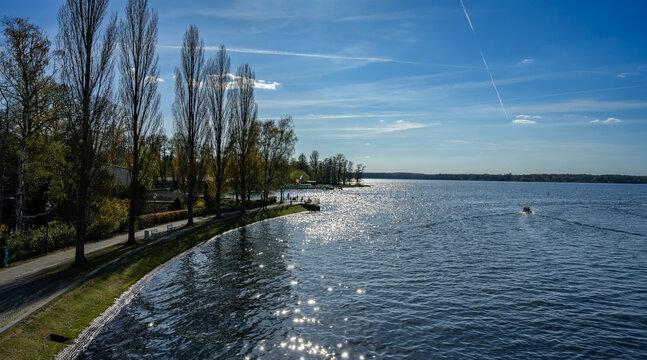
(112, 216)
(29, 243)
(199, 208)
(4, 230)
(144, 221)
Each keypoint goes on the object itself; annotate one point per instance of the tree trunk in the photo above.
(20, 192)
(218, 210)
(173, 171)
(84, 176)
(134, 182)
(81, 222)
(243, 195)
(189, 201)
(218, 181)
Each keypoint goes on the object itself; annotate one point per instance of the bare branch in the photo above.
(86, 62)
(190, 108)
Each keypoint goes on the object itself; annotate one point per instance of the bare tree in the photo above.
(339, 165)
(243, 112)
(86, 71)
(276, 145)
(359, 171)
(218, 80)
(190, 110)
(314, 165)
(24, 59)
(138, 94)
(348, 172)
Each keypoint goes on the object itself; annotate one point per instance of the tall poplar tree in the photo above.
(139, 99)
(85, 51)
(190, 110)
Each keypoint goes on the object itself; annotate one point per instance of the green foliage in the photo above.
(295, 174)
(200, 207)
(4, 230)
(111, 216)
(31, 242)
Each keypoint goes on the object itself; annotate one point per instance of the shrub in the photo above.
(4, 230)
(31, 242)
(148, 220)
(199, 208)
(111, 216)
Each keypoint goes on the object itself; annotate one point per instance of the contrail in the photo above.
(323, 56)
(467, 16)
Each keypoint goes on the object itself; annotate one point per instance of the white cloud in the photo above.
(269, 85)
(397, 126)
(152, 79)
(610, 120)
(523, 121)
(258, 84)
(528, 117)
(626, 74)
(527, 61)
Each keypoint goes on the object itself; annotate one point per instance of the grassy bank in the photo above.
(72, 312)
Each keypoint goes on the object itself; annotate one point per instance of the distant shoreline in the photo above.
(570, 178)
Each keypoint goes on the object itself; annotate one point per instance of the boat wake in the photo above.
(591, 226)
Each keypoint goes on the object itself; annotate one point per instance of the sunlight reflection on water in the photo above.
(408, 270)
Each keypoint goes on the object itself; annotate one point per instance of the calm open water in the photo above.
(409, 269)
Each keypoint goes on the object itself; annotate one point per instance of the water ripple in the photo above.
(409, 269)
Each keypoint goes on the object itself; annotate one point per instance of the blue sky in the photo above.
(401, 86)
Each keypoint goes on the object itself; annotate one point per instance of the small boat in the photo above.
(526, 210)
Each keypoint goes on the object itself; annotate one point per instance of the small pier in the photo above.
(309, 204)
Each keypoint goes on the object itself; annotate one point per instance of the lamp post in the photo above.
(48, 208)
(154, 208)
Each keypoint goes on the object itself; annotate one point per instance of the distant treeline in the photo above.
(575, 178)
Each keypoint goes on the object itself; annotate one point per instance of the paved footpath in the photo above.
(22, 292)
(23, 272)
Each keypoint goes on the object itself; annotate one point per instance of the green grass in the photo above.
(73, 311)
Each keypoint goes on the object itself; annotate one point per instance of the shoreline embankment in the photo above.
(53, 327)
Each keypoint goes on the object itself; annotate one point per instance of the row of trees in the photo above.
(63, 124)
(334, 170)
(218, 131)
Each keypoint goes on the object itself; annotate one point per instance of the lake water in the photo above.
(409, 269)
